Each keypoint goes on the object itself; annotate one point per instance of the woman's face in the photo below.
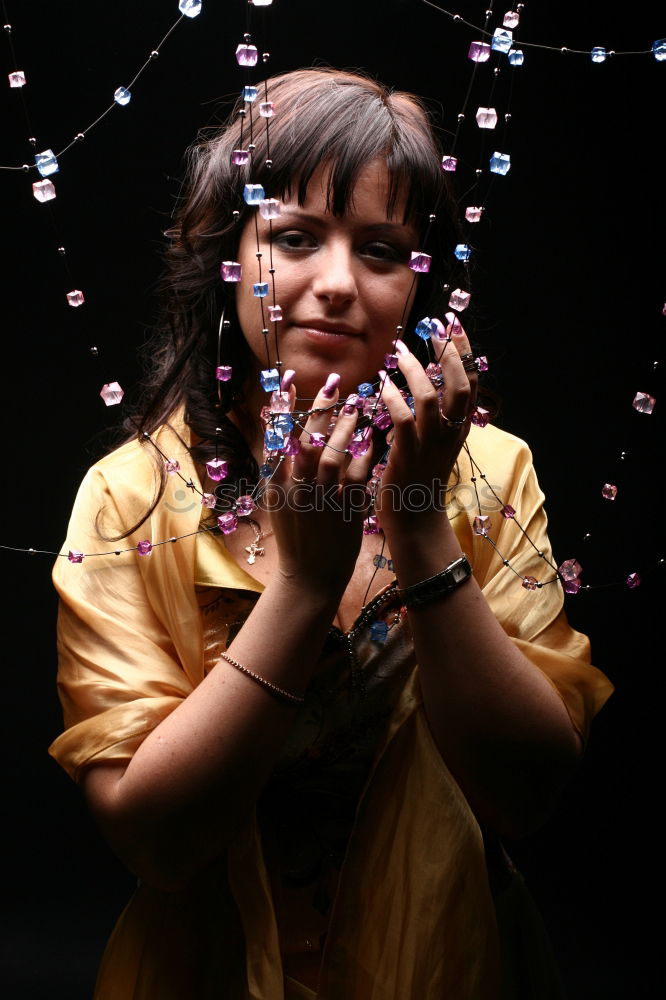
(342, 283)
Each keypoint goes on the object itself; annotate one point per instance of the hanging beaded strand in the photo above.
(659, 50)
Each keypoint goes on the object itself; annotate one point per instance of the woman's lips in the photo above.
(328, 333)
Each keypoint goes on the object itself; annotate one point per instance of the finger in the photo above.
(315, 430)
(404, 425)
(335, 457)
(423, 392)
(459, 392)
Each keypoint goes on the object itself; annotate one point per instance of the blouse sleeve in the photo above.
(534, 619)
(129, 648)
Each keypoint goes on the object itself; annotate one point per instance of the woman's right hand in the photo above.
(317, 499)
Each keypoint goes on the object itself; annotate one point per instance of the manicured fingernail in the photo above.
(401, 347)
(332, 383)
(438, 329)
(383, 377)
(454, 323)
(287, 379)
(351, 405)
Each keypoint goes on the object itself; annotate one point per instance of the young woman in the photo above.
(294, 742)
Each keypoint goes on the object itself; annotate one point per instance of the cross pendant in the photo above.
(255, 550)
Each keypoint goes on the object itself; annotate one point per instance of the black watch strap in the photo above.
(436, 586)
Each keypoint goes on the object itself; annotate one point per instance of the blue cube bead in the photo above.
(424, 328)
(283, 423)
(266, 471)
(47, 163)
(270, 379)
(379, 631)
(273, 440)
(463, 251)
(516, 57)
(260, 289)
(501, 40)
(190, 8)
(366, 389)
(253, 194)
(659, 49)
(250, 94)
(500, 163)
(122, 96)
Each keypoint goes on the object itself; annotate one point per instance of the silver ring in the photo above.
(307, 480)
(469, 362)
(453, 423)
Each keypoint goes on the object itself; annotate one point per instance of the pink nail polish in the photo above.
(287, 379)
(439, 329)
(332, 383)
(351, 405)
(454, 323)
(401, 347)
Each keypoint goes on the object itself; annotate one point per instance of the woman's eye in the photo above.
(294, 241)
(382, 251)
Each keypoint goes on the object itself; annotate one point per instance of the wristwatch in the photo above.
(436, 586)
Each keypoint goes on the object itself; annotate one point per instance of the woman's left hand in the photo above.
(426, 445)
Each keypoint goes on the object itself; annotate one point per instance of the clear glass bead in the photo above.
(643, 402)
(112, 393)
(46, 163)
(122, 96)
(44, 190)
(190, 8)
(486, 117)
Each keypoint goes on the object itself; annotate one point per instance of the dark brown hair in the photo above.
(322, 116)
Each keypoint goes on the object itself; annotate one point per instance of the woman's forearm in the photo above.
(500, 726)
(195, 778)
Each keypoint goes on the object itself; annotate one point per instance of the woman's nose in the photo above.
(335, 279)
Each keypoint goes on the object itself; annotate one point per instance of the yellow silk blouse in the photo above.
(413, 915)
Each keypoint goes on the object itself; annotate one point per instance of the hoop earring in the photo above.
(223, 373)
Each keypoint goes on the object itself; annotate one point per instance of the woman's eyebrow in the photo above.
(386, 226)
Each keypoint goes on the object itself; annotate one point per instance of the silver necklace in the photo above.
(255, 549)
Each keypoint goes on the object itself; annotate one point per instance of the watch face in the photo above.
(460, 571)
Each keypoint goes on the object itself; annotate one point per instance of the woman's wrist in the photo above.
(310, 595)
(423, 550)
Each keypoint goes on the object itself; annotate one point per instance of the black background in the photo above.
(570, 291)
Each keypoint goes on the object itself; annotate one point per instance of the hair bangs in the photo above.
(345, 122)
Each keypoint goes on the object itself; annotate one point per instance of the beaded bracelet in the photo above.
(279, 692)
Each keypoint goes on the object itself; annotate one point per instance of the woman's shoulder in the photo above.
(492, 446)
(137, 460)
